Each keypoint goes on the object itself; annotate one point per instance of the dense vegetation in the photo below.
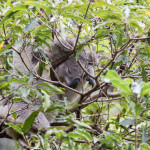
(115, 114)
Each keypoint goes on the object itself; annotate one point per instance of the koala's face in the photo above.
(71, 74)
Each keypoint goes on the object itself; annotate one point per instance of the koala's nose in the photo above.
(74, 83)
(90, 80)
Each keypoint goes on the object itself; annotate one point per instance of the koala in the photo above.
(68, 72)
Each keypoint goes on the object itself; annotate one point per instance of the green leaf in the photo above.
(37, 30)
(60, 134)
(128, 81)
(30, 121)
(45, 57)
(16, 99)
(24, 91)
(43, 5)
(119, 39)
(122, 85)
(127, 122)
(79, 50)
(31, 25)
(144, 76)
(135, 25)
(3, 84)
(7, 17)
(41, 68)
(51, 87)
(46, 138)
(75, 135)
(138, 110)
(46, 103)
(27, 100)
(14, 114)
(111, 6)
(144, 146)
(30, 77)
(85, 134)
(7, 3)
(42, 41)
(15, 80)
(111, 74)
(18, 7)
(25, 78)
(144, 135)
(118, 82)
(41, 34)
(78, 18)
(147, 50)
(18, 29)
(107, 14)
(146, 89)
(15, 127)
(148, 40)
(5, 48)
(82, 124)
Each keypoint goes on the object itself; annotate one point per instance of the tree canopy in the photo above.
(115, 113)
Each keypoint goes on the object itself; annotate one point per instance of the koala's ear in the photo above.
(71, 41)
(93, 58)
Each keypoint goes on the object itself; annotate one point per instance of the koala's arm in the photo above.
(23, 112)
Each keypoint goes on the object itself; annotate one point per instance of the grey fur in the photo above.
(69, 73)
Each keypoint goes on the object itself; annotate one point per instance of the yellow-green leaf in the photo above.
(146, 89)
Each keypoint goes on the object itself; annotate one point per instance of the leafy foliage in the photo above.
(118, 30)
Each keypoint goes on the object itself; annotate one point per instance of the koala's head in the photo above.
(69, 71)
(71, 74)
